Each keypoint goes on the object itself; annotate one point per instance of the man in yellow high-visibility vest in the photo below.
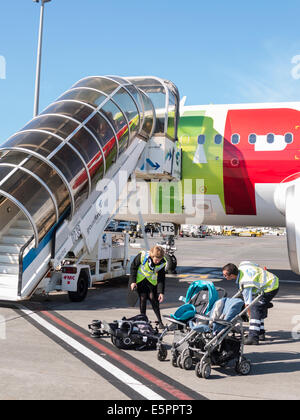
(252, 280)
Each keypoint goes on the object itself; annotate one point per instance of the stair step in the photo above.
(8, 280)
(13, 231)
(15, 240)
(9, 287)
(9, 257)
(10, 248)
(23, 223)
(6, 268)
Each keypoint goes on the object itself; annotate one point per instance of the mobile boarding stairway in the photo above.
(62, 174)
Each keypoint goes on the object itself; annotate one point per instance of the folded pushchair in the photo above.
(199, 299)
(216, 339)
(132, 333)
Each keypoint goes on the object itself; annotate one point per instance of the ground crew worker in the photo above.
(147, 275)
(251, 280)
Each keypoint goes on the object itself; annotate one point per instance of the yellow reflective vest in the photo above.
(251, 275)
(145, 272)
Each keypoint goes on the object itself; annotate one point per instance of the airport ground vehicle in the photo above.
(242, 232)
(168, 244)
(112, 226)
(63, 174)
(227, 231)
(251, 232)
(199, 232)
(194, 231)
(108, 260)
(123, 227)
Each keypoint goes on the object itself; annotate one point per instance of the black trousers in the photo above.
(147, 291)
(258, 312)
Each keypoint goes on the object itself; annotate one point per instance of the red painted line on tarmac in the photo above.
(160, 383)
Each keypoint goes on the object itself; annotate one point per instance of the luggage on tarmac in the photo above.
(132, 333)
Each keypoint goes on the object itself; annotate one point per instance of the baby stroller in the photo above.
(216, 339)
(199, 299)
(132, 333)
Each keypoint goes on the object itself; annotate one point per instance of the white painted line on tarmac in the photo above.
(128, 380)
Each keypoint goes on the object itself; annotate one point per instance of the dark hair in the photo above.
(231, 269)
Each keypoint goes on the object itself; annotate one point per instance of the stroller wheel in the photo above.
(96, 333)
(243, 367)
(96, 324)
(118, 342)
(187, 362)
(179, 363)
(206, 370)
(198, 370)
(162, 353)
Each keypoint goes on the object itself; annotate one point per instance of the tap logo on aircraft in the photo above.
(258, 149)
(259, 146)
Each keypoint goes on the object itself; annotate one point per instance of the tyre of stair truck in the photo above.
(171, 266)
(82, 289)
(174, 261)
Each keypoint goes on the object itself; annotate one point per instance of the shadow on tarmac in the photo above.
(112, 294)
(217, 271)
(274, 362)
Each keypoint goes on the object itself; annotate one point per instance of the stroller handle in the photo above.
(202, 317)
(222, 291)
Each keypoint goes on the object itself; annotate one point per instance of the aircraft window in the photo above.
(252, 138)
(218, 139)
(288, 137)
(201, 139)
(270, 138)
(235, 138)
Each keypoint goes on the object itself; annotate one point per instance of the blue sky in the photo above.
(215, 52)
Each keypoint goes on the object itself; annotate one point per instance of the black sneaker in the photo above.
(161, 326)
(251, 341)
(262, 337)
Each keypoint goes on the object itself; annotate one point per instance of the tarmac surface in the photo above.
(46, 351)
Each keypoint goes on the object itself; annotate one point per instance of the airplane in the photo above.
(247, 156)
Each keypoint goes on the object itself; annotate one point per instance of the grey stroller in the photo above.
(216, 339)
(199, 299)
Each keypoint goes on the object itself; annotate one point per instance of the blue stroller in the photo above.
(213, 340)
(199, 299)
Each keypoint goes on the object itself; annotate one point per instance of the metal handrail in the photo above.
(21, 254)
